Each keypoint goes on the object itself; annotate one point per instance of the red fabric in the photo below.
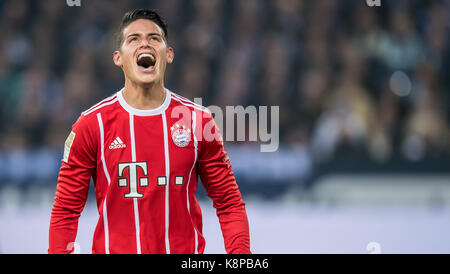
(142, 141)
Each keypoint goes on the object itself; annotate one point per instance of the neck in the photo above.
(144, 97)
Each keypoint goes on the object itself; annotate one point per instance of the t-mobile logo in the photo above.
(132, 181)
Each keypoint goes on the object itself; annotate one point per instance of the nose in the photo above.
(145, 43)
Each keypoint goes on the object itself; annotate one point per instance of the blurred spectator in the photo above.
(401, 48)
(329, 65)
(347, 119)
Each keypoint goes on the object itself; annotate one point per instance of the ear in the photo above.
(170, 55)
(117, 58)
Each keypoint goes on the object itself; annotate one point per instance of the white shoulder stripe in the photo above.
(198, 107)
(101, 102)
(99, 107)
(184, 99)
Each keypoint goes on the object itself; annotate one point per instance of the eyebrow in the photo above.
(148, 34)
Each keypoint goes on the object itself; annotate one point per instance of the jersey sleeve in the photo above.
(215, 171)
(77, 168)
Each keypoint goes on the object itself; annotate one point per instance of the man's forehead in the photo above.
(143, 26)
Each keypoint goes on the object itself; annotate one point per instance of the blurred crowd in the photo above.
(345, 75)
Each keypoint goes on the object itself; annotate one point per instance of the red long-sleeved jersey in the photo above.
(145, 165)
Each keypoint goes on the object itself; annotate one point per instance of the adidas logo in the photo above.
(117, 144)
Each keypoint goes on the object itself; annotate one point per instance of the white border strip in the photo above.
(189, 180)
(135, 201)
(167, 159)
(105, 170)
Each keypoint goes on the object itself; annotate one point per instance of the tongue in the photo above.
(145, 62)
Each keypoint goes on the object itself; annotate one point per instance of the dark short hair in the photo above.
(136, 14)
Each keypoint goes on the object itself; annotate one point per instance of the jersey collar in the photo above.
(144, 112)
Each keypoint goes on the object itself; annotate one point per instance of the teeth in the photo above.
(146, 55)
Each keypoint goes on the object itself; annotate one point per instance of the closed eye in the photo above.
(132, 37)
(155, 38)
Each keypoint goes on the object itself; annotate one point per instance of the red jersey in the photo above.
(145, 165)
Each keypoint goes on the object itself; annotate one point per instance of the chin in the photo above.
(146, 78)
(146, 81)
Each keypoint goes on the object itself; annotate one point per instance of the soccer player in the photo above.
(145, 147)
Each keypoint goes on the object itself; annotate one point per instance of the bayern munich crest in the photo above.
(181, 136)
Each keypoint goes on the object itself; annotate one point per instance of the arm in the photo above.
(216, 174)
(74, 176)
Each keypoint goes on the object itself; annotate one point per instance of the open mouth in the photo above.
(146, 60)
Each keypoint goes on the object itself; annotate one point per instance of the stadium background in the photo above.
(364, 114)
